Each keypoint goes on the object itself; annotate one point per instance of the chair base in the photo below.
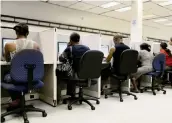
(153, 89)
(80, 99)
(22, 112)
(120, 94)
(119, 90)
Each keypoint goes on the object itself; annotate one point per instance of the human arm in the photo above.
(9, 47)
(108, 59)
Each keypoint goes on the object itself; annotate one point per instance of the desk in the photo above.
(8, 63)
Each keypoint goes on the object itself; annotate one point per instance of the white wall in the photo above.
(44, 11)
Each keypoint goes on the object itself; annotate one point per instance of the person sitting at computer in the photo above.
(21, 42)
(145, 58)
(76, 50)
(168, 55)
(116, 52)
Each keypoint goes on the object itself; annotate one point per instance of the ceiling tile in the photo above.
(121, 15)
(81, 6)
(63, 3)
(156, 9)
(169, 7)
(98, 10)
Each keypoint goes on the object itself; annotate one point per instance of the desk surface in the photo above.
(8, 63)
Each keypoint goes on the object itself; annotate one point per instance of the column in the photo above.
(136, 24)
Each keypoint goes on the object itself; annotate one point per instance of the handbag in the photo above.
(66, 67)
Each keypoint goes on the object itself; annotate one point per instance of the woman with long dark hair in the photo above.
(168, 55)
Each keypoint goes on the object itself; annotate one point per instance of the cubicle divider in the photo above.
(48, 46)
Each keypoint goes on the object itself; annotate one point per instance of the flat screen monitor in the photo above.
(61, 47)
(105, 50)
(6, 40)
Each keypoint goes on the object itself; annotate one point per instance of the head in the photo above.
(117, 39)
(22, 30)
(163, 45)
(74, 38)
(145, 46)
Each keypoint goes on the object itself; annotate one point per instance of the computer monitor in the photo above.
(61, 47)
(105, 50)
(4, 41)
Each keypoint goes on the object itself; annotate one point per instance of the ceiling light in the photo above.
(123, 9)
(169, 2)
(169, 24)
(110, 4)
(160, 20)
(79, 0)
(148, 16)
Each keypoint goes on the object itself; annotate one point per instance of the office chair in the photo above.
(127, 66)
(27, 70)
(89, 69)
(157, 73)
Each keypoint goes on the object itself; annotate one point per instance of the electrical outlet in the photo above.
(31, 96)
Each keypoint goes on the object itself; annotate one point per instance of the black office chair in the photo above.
(89, 69)
(127, 66)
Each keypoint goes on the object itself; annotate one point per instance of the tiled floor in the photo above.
(147, 109)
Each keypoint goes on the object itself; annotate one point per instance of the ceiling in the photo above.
(151, 7)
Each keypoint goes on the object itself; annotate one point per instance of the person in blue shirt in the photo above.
(73, 52)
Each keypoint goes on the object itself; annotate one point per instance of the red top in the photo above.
(167, 57)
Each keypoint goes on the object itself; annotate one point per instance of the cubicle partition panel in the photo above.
(48, 40)
(156, 47)
(94, 43)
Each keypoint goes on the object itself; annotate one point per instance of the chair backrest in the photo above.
(22, 61)
(90, 65)
(128, 62)
(159, 63)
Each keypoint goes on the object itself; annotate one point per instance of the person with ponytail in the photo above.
(145, 58)
(168, 55)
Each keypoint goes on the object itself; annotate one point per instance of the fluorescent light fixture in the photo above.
(169, 2)
(161, 20)
(169, 24)
(148, 16)
(123, 9)
(79, 0)
(110, 4)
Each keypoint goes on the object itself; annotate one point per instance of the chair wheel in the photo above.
(2, 119)
(102, 92)
(135, 98)
(26, 121)
(158, 89)
(44, 114)
(97, 102)
(80, 102)
(106, 96)
(92, 108)
(164, 92)
(69, 107)
(154, 93)
(64, 101)
(141, 90)
(121, 100)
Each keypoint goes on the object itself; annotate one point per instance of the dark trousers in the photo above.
(71, 87)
